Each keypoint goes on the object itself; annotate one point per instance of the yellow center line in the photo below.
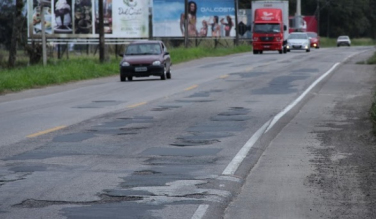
(137, 104)
(191, 87)
(46, 131)
(223, 76)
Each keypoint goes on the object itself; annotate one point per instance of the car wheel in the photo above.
(280, 51)
(288, 50)
(130, 78)
(163, 76)
(308, 50)
(260, 51)
(168, 75)
(255, 52)
(122, 78)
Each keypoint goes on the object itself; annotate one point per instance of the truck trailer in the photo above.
(270, 26)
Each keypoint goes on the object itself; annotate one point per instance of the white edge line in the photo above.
(295, 102)
(239, 157)
(200, 212)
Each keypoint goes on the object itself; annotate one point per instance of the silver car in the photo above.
(298, 41)
(343, 40)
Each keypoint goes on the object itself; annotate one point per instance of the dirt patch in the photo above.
(345, 162)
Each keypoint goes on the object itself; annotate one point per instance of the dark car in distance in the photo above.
(145, 58)
(315, 39)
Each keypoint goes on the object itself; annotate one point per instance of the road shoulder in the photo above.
(321, 164)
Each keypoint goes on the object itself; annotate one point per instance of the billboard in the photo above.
(80, 18)
(206, 18)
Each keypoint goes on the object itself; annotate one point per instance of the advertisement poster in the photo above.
(63, 17)
(34, 12)
(83, 17)
(206, 18)
(132, 18)
(80, 18)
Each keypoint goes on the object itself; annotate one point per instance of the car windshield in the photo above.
(343, 37)
(143, 49)
(312, 35)
(267, 28)
(298, 36)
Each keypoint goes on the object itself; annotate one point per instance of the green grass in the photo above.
(88, 67)
(370, 61)
(332, 42)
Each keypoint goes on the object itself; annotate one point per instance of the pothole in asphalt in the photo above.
(280, 85)
(99, 104)
(33, 203)
(249, 74)
(74, 137)
(181, 160)
(215, 65)
(165, 108)
(194, 142)
(145, 172)
(181, 152)
(306, 70)
(195, 101)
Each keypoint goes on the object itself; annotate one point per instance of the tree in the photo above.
(18, 19)
(356, 18)
(6, 22)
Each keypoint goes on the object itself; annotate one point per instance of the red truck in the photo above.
(270, 21)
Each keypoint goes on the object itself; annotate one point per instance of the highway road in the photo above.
(213, 142)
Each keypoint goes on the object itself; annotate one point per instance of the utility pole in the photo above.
(101, 32)
(185, 23)
(298, 8)
(236, 24)
(298, 16)
(44, 52)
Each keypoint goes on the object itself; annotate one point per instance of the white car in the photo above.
(343, 40)
(298, 41)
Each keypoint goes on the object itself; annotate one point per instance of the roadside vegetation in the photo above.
(332, 42)
(82, 67)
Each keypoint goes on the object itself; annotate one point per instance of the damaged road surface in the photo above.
(240, 136)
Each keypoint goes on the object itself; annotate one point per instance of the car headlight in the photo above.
(124, 64)
(157, 63)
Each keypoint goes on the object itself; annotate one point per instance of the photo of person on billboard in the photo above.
(205, 18)
(215, 27)
(228, 25)
(192, 20)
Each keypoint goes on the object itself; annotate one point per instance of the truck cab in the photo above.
(268, 31)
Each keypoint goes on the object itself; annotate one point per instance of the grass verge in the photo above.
(332, 42)
(81, 68)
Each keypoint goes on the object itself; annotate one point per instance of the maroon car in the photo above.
(315, 39)
(145, 58)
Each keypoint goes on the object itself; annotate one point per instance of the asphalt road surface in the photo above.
(241, 136)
